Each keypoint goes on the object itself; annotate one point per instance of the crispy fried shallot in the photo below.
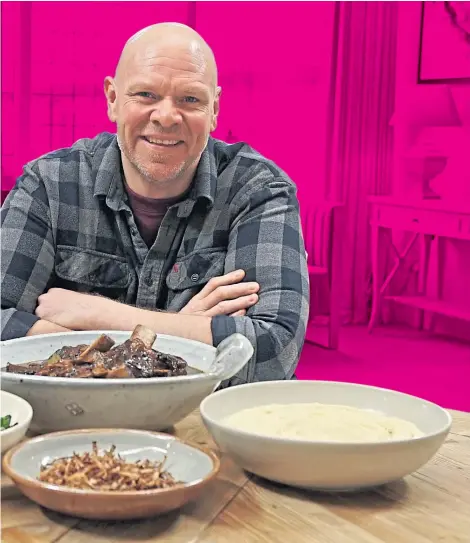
(106, 472)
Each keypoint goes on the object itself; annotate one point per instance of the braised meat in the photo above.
(134, 358)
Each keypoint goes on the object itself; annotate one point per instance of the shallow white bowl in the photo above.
(21, 413)
(62, 403)
(319, 465)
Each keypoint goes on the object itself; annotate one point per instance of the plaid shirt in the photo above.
(67, 223)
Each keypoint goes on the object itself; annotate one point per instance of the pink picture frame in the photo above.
(444, 46)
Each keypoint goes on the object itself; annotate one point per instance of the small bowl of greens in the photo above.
(16, 415)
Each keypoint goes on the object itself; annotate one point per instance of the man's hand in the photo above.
(87, 312)
(224, 295)
(72, 310)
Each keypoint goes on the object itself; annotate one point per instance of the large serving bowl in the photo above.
(149, 404)
(331, 466)
(189, 464)
(20, 412)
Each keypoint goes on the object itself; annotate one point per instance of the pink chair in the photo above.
(321, 228)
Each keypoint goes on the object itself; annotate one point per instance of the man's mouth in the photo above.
(162, 142)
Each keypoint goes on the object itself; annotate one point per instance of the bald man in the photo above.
(159, 224)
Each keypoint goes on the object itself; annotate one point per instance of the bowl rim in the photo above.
(80, 333)
(26, 420)
(20, 479)
(98, 383)
(80, 382)
(305, 442)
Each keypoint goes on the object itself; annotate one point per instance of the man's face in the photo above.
(165, 105)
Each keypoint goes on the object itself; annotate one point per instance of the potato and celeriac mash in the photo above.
(321, 422)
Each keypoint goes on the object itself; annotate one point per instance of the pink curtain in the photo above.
(361, 156)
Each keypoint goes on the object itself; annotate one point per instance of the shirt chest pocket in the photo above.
(92, 271)
(195, 270)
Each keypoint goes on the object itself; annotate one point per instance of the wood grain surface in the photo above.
(430, 506)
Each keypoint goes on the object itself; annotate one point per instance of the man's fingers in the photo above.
(228, 307)
(227, 279)
(227, 293)
(224, 295)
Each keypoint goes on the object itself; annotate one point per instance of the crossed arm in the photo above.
(62, 310)
(265, 241)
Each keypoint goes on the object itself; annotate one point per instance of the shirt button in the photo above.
(149, 280)
(134, 231)
(194, 277)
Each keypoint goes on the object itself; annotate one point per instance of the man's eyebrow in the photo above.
(193, 88)
(138, 85)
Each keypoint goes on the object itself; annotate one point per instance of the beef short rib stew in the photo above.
(134, 358)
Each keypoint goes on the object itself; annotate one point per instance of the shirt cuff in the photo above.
(222, 327)
(16, 324)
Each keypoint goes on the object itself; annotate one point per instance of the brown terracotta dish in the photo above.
(189, 468)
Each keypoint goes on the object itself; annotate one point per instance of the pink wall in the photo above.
(52, 84)
(276, 82)
(52, 87)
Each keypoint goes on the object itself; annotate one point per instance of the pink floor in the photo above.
(418, 363)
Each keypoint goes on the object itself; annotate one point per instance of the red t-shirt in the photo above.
(149, 213)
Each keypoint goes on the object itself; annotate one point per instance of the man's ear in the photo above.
(111, 96)
(215, 113)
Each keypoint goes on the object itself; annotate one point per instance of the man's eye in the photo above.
(145, 94)
(191, 99)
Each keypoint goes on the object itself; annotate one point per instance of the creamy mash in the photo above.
(321, 422)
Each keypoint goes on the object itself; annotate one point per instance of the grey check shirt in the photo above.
(67, 223)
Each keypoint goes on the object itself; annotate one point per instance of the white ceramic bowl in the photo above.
(21, 413)
(61, 403)
(192, 465)
(331, 466)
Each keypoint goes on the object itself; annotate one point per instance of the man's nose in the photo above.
(165, 113)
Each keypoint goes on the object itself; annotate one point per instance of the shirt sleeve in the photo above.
(27, 253)
(266, 241)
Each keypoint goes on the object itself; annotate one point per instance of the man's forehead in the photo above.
(152, 62)
(151, 50)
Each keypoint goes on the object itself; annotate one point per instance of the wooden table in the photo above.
(429, 506)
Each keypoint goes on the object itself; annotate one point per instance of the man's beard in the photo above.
(171, 174)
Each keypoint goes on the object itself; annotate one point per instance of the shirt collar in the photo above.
(109, 179)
